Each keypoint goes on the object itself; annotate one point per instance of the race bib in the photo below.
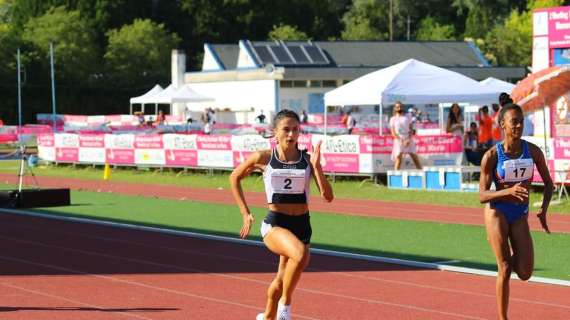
(518, 170)
(288, 181)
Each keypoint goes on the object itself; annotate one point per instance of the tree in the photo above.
(511, 41)
(429, 29)
(287, 32)
(140, 52)
(74, 50)
(366, 20)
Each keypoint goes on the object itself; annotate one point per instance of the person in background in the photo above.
(206, 119)
(286, 230)
(496, 133)
(510, 166)
(400, 127)
(485, 129)
(140, 118)
(471, 145)
(304, 117)
(261, 117)
(455, 121)
(160, 119)
(350, 122)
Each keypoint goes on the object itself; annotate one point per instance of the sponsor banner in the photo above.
(536, 175)
(214, 142)
(67, 154)
(340, 162)
(439, 144)
(376, 144)
(119, 141)
(150, 156)
(120, 156)
(148, 141)
(305, 142)
(46, 153)
(345, 144)
(562, 148)
(240, 156)
(96, 119)
(92, 140)
(114, 120)
(92, 155)
(181, 158)
(179, 142)
(548, 151)
(250, 143)
(215, 158)
(46, 140)
(67, 140)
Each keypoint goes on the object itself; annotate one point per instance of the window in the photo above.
(286, 84)
(299, 84)
(329, 83)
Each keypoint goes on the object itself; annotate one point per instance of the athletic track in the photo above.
(53, 269)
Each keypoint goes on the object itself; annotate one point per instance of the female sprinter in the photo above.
(510, 165)
(286, 229)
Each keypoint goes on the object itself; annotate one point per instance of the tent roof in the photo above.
(412, 82)
(145, 97)
(498, 84)
(179, 95)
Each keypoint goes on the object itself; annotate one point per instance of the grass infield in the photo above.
(344, 188)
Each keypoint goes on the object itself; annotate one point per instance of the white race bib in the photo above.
(518, 170)
(288, 181)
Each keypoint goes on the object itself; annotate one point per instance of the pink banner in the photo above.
(562, 148)
(67, 154)
(559, 27)
(73, 118)
(338, 162)
(217, 142)
(46, 140)
(376, 144)
(536, 175)
(438, 144)
(181, 158)
(92, 140)
(120, 156)
(148, 141)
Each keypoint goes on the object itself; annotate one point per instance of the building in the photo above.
(258, 75)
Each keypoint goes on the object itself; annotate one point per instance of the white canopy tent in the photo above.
(145, 98)
(411, 82)
(498, 84)
(173, 94)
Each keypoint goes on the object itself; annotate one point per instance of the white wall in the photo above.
(297, 99)
(252, 96)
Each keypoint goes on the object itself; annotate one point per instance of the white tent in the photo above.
(411, 82)
(498, 84)
(145, 98)
(173, 94)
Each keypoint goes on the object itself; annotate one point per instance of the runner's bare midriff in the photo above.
(292, 209)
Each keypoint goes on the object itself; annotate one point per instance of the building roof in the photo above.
(351, 59)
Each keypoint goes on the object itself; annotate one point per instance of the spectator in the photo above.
(412, 114)
(485, 129)
(471, 145)
(160, 119)
(497, 132)
(304, 117)
(400, 127)
(350, 122)
(207, 121)
(261, 117)
(455, 121)
(140, 118)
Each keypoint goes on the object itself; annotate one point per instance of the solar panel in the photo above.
(281, 54)
(264, 54)
(315, 54)
(298, 54)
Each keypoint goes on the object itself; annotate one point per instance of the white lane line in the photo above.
(12, 286)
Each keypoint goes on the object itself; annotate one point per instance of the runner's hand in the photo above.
(316, 155)
(519, 192)
(541, 215)
(248, 220)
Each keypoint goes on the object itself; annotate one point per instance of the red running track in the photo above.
(393, 210)
(62, 270)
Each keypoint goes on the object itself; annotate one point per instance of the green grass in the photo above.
(420, 241)
(347, 188)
